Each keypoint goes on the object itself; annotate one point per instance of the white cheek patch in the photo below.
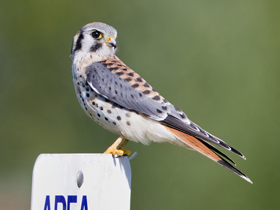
(88, 42)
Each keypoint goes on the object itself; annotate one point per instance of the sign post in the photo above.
(81, 182)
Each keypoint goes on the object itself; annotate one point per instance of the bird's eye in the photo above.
(97, 34)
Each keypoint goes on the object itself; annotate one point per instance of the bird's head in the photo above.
(97, 38)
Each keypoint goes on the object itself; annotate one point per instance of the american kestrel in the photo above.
(121, 101)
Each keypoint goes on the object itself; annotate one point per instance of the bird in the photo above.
(119, 100)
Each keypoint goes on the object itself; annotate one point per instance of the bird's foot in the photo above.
(117, 152)
(125, 151)
(117, 148)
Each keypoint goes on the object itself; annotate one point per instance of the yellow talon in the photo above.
(114, 152)
(117, 148)
(126, 152)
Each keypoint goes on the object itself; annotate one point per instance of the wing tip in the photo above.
(247, 179)
(238, 153)
(235, 170)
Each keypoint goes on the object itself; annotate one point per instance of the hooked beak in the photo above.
(111, 42)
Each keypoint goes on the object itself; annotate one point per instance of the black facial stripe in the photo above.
(79, 42)
(94, 48)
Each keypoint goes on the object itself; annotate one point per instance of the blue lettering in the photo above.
(84, 205)
(71, 199)
(47, 203)
(60, 199)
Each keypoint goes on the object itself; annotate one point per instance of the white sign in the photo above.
(81, 182)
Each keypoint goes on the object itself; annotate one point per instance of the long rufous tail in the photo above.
(207, 150)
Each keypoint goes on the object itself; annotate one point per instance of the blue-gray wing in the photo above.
(115, 88)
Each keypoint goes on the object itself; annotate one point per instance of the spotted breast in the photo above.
(102, 81)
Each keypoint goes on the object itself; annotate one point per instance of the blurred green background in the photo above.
(217, 60)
